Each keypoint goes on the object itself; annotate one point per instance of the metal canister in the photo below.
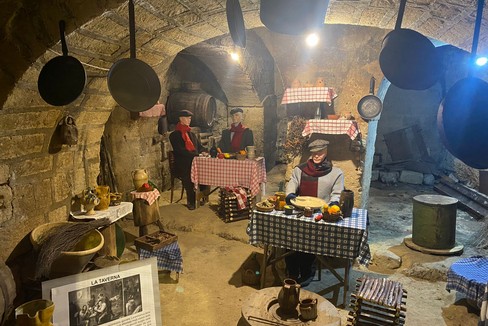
(434, 221)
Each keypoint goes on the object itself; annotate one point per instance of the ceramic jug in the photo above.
(251, 152)
(103, 193)
(35, 313)
(289, 296)
(308, 309)
(89, 199)
(346, 202)
(139, 177)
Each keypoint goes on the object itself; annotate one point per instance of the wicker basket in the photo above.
(332, 218)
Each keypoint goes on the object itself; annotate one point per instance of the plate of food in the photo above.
(308, 201)
(265, 206)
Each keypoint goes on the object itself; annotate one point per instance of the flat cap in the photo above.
(235, 110)
(318, 145)
(184, 113)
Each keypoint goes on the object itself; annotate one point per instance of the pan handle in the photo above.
(371, 85)
(401, 10)
(132, 30)
(62, 27)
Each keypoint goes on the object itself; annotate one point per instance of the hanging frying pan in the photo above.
(370, 106)
(462, 116)
(134, 85)
(293, 17)
(63, 78)
(236, 22)
(408, 59)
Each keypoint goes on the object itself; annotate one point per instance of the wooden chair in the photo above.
(173, 175)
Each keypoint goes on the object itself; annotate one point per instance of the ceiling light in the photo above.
(481, 61)
(312, 39)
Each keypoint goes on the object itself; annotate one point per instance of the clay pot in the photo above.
(346, 202)
(35, 313)
(289, 296)
(308, 309)
(103, 193)
(139, 177)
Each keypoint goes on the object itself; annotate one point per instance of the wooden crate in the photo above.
(155, 240)
(228, 210)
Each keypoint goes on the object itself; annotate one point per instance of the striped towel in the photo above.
(241, 196)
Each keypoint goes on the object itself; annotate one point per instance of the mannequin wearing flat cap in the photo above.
(237, 137)
(317, 178)
(185, 147)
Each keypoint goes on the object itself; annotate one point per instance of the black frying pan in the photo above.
(462, 116)
(63, 78)
(134, 85)
(236, 22)
(408, 59)
(370, 106)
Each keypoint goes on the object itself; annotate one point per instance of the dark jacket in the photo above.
(247, 140)
(183, 157)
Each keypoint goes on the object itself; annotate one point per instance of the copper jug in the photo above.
(289, 296)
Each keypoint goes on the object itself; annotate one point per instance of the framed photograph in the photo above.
(126, 294)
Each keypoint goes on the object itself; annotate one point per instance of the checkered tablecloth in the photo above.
(345, 239)
(169, 257)
(331, 127)
(149, 196)
(469, 276)
(229, 173)
(308, 94)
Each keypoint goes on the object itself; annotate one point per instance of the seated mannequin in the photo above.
(237, 137)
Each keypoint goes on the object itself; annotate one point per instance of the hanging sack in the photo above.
(68, 130)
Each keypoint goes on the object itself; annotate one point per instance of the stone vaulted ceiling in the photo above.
(98, 30)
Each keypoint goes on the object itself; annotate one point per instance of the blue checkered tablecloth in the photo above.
(169, 257)
(344, 239)
(469, 276)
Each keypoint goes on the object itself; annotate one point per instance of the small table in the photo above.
(469, 276)
(261, 309)
(346, 239)
(331, 127)
(248, 173)
(308, 94)
(114, 213)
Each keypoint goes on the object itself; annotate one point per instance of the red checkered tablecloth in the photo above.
(149, 196)
(308, 94)
(229, 173)
(331, 127)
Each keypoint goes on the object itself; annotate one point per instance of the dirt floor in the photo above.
(210, 291)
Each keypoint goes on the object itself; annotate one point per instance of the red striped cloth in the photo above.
(308, 94)
(331, 127)
(229, 173)
(241, 196)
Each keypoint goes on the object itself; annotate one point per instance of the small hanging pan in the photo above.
(134, 85)
(462, 116)
(236, 22)
(63, 78)
(370, 106)
(408, 59)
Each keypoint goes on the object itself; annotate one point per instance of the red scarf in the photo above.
(184, 134)
(235, 144)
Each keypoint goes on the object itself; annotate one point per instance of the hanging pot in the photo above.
(408, 59)
(134, 85)
(236, 22)
(291, 16)
(63, 78)
(462, 116)
(370, 106)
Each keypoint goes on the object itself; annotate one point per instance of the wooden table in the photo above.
(246, 173)
(146, 210)
(261, 309)
(114, 213)
(346, 239)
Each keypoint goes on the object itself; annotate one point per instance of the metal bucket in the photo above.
(434, 221)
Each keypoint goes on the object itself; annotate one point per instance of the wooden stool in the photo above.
(377, 302)
(145, 214)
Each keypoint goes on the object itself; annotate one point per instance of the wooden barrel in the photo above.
(7, 292)
(202, 105)
(434, 221)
